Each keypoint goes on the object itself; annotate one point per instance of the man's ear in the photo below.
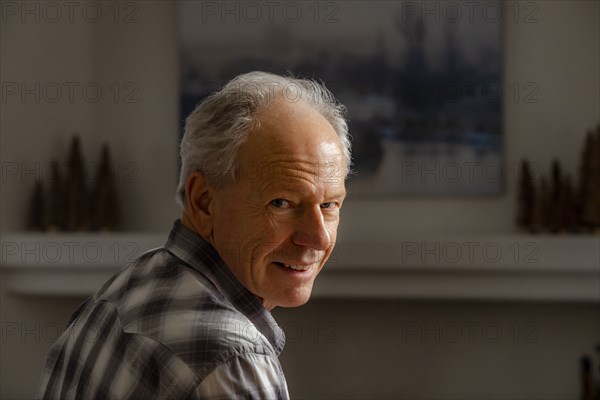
(199, 205)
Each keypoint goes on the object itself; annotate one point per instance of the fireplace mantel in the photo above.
(426, 267)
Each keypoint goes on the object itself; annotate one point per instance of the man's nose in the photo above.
(312, 231)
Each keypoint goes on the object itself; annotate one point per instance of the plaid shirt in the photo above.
(176, 324)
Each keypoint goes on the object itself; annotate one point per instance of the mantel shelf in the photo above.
(432, 267)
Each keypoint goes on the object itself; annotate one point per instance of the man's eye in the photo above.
(280, 203)
(328, 205)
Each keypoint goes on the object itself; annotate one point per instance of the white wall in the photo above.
(138, 56)
(142, 136)
(350, 349)
(560, 53)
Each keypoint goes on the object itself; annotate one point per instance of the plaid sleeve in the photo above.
(247, 376)
(96, 359)
(175, 324)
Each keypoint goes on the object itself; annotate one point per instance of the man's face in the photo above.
(276, 225)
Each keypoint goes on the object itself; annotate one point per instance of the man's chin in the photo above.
(289, 300)
(295, 303)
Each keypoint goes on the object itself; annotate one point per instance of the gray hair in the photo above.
(218, 126)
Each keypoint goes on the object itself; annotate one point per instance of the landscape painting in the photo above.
(422, 81)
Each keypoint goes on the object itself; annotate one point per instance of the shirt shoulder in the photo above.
(162, 298)
(158, 329)
(95, 358)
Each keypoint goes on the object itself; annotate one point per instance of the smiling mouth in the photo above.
(293, 267)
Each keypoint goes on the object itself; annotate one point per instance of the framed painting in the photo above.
(422, 81)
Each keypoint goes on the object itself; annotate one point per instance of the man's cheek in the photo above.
(258, 251)
(329, 253)
(273, 232)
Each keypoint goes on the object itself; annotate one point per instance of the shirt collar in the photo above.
(192, 249)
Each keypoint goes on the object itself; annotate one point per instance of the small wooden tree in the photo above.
(585, 175)
(37, 208)
(590, 192)
(542, 209)
(105, 210)
(555, 196)
(56, 199)
(526, 198)
(567, 209)
(75, 190)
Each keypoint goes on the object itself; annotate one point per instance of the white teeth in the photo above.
(298, 267)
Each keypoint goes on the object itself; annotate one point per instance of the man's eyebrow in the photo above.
(292, 188)
(340, 195)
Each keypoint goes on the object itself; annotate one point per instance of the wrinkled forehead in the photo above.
(292, 140)
(293, 173)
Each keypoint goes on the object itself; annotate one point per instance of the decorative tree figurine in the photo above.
(542, 211)
(567, 209)
(56, 199)
(596, 183)
(555, 188)
(585, 177)
(526, 198)
(75, 190)
(590, 210)
(105, 210)
(37, 211)
(559, 206)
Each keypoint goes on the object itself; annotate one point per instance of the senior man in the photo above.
(262, 182)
